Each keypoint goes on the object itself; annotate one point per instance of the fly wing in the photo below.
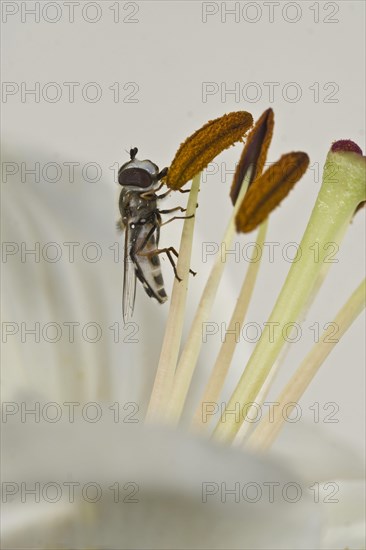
(129, 279)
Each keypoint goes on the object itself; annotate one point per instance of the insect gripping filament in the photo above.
(141, 221)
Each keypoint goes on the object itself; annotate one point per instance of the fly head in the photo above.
(139, 174)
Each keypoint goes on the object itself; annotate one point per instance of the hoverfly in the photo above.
(141, 221)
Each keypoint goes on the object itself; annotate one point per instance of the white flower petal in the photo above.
(171, 471)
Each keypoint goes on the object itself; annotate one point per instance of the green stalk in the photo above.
(223, 361)
(246, 426)
(173, 333)
(336, 203)
(267, 431)
(189, 357)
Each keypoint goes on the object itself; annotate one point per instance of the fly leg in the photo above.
(152, 194)
(178, 218)
(173, 210)
(161, 185)
(169, 251)
(169, 191)
(164, 194)
(147, 238)
(161, 175)
(177, 208)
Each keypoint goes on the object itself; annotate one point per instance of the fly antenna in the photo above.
(162, 173)
(133, 153)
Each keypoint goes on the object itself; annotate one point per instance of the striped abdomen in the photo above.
(147, 265)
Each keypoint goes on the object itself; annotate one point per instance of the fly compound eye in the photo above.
(135, 177)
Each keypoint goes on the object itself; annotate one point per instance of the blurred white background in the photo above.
(158, 55)
(161, 70)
